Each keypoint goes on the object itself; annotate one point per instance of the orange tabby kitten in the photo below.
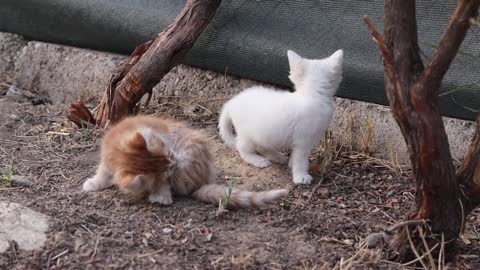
(146, 154)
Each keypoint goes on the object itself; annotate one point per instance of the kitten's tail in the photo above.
(225, 126)
(213, 193)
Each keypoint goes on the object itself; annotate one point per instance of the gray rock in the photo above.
(20, 180)
(10, 44)
(22, 225)
(64, 74)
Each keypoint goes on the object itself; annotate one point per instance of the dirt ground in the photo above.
(315, 227)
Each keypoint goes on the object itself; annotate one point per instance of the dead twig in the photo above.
(80, 115)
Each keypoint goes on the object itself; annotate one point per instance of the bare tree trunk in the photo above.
(442, 196)
(147, 65)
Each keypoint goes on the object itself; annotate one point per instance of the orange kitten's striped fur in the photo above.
(158, 156)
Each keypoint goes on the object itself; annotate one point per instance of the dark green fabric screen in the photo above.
(250, 38)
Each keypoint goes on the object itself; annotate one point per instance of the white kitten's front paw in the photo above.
(89, 185)
(162, 199)
(303, 180)
(262, 163)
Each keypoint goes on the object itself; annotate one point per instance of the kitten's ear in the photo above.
(137, 141)
(297, 68)
(337, 57)
(294, 60)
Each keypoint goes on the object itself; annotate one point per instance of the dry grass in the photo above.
(192, 107)
(244, 261)
(375, 162)
(361, 259)
(351, 130)
(394, 161)
(367, 135)
(325, 154)
(424, 254)
(309, 265)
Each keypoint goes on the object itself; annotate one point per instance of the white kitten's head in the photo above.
(318, 75)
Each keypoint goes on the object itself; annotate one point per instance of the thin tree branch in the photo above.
(150, 61)
(386, 54)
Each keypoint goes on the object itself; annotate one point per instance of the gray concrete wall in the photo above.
(66, 74)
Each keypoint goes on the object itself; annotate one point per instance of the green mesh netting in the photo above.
(250, 38)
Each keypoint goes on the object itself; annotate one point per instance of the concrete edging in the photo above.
(67, 74)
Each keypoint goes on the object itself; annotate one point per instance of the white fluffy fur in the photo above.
(268, 121)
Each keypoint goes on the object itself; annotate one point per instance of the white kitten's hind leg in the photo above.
(162, 196)
(101, 180)
(299, 164)
(247, 152)
(275, 156)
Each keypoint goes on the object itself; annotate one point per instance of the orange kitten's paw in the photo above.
(90, 185)
(163, 199)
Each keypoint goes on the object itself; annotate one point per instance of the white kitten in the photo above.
(267, 121)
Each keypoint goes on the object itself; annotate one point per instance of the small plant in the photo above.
(7, 175)
(228, 192)
(225, 201)
(88, 132)
(367, 136)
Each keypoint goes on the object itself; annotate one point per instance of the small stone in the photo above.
(209, 76)
(79, 242)
(128, 234)
(22, 225)
(20, 180)
(85, 251)
(14, 117)
(323, 193)
(348, 242)
(167, 230)
(376, 240)
(209, 237)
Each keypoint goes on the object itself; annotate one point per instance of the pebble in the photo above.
(21, 180)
